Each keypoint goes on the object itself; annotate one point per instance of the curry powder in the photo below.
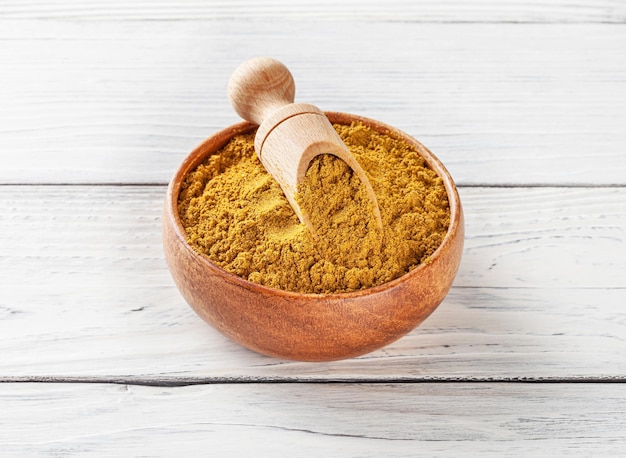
(235, 213)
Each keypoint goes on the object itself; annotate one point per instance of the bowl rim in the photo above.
(221, 137)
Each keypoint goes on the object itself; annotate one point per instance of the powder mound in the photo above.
(235, 213)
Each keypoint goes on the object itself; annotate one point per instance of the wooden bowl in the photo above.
(309, 327)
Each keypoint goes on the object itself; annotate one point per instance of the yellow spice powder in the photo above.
(235, 213)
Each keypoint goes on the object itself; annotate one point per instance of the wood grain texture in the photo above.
(124, 102)
(304, 420)
(86, 293)
(604, 11)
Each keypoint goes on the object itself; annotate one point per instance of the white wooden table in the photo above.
(524, 103)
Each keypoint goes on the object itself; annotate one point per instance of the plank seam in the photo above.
(192, 381)
(269, 19)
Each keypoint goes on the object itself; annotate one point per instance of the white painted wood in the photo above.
(125, 101)
(310, 420)
(611, 11)
(481, 334)
(86, 293)
(504, 92)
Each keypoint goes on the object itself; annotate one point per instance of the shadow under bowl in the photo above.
(309, 327)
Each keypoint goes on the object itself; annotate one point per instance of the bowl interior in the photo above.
(220, 139)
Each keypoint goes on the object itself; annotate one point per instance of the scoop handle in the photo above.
(259, 87)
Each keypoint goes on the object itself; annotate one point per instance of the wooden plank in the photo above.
(124, 102)
(86, 293)
(480, 334)
(369, 420)
(612, 11)
(544, 237)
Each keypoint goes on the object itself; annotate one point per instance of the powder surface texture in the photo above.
(235, 213)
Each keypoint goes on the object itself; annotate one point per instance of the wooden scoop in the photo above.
(290, 135)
